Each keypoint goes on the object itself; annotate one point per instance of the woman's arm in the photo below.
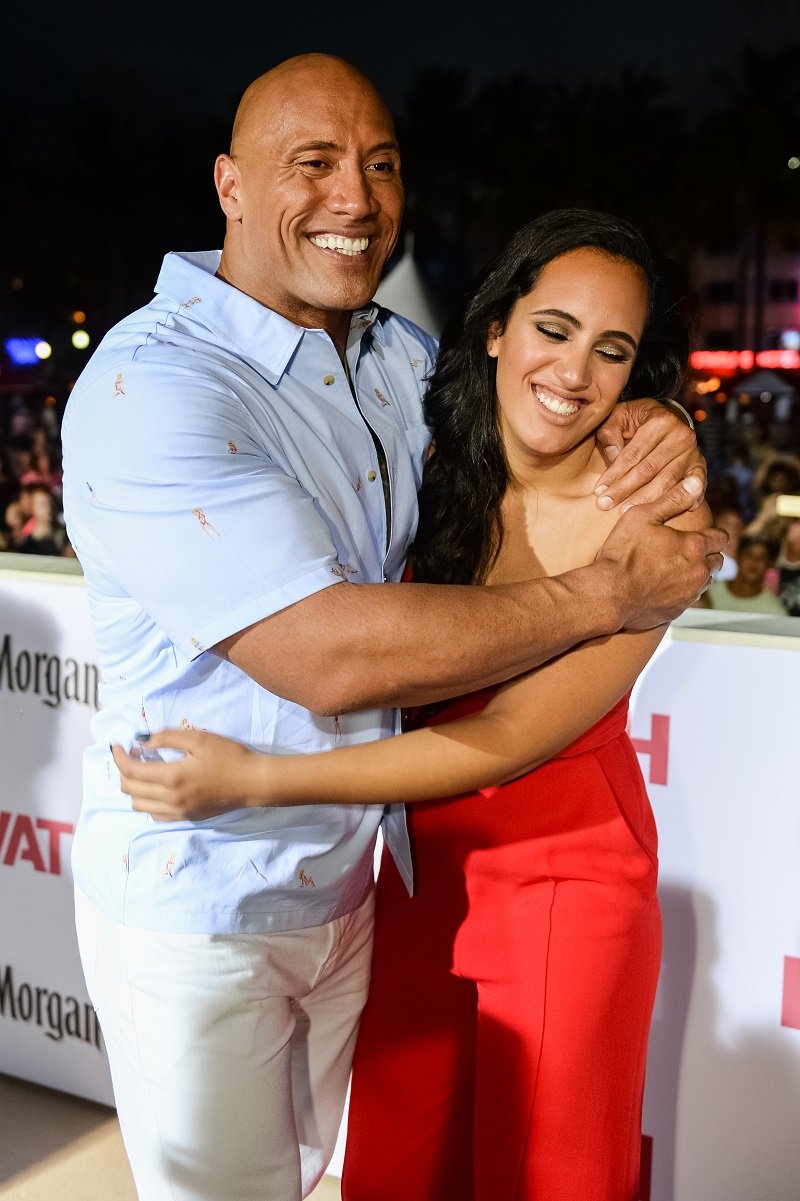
(527, 722)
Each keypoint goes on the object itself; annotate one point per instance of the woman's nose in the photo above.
(573, 367)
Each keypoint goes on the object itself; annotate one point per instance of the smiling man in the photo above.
(242, 458)
(312, 192)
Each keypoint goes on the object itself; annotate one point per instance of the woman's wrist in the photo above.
(262, 775)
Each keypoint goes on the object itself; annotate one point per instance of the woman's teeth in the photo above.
(555, 404)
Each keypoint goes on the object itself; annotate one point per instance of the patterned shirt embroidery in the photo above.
(343, 570)
(205, 524)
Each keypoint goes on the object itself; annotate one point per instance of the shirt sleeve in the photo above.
(175, 500)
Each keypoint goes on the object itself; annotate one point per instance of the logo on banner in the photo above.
(790, 1015)
(53, 679)
(37, 840)
(656, 747)
(57, 1015)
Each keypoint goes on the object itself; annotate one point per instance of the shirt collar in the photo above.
(259, 333)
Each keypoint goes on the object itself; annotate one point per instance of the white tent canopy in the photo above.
(405, 292)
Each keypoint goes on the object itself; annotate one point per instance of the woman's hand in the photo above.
(649, 449)
(215, 775)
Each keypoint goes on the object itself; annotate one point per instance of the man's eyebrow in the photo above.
(575, 323)
(315, 145)
(320, 145)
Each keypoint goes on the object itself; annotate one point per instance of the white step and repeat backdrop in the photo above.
(715, 722)
(48, 693)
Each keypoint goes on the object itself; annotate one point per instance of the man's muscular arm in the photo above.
(361, 646)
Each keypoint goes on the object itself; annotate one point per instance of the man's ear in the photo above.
(227, 180)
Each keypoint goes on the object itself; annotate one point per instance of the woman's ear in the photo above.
(493, 340)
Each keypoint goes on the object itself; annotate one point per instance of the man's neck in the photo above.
(335, 323)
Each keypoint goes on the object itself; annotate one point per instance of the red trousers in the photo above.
(502, 1051)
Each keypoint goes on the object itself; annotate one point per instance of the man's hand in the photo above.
(662, 571)
(649, 450)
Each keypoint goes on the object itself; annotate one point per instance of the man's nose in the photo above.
(351, 193)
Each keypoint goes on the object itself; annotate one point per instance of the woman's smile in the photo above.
(559, 406)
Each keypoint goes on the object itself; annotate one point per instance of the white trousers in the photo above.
(230, 1054)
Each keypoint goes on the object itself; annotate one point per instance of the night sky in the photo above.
(113, 115)
(219, 50)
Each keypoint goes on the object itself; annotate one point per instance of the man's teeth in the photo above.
(554, 404)
(349, 246)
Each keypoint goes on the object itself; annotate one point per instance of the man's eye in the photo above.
(314, 163)
(382, 168)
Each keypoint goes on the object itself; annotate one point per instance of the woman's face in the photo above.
(41, 505)
(730, 521)
(753, 563)
(566, 352)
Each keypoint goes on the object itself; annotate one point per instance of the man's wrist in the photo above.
(611, 580)
(677, 408)
(596, 591)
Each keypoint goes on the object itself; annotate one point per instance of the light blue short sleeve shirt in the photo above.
(218, 468)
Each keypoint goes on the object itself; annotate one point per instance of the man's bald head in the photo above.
(312, 192)
(296, 80)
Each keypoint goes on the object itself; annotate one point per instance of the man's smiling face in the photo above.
(313, 193)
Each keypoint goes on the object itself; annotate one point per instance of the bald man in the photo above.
(242, 458)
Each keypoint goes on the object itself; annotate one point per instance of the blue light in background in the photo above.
(22, 351)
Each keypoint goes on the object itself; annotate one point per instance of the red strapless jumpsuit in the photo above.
(501, 1054)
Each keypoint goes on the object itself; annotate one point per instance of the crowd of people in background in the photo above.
(761, 572)
(31, 518)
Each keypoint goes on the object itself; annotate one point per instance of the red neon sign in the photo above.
(743, 360)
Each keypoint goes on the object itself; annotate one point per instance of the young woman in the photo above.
(502, 1050)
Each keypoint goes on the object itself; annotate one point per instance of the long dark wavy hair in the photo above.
(466, 477)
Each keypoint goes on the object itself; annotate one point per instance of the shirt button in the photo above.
(371, 475)
(329, 379)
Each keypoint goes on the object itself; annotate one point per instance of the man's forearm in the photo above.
(367, 646)
(361, 646)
